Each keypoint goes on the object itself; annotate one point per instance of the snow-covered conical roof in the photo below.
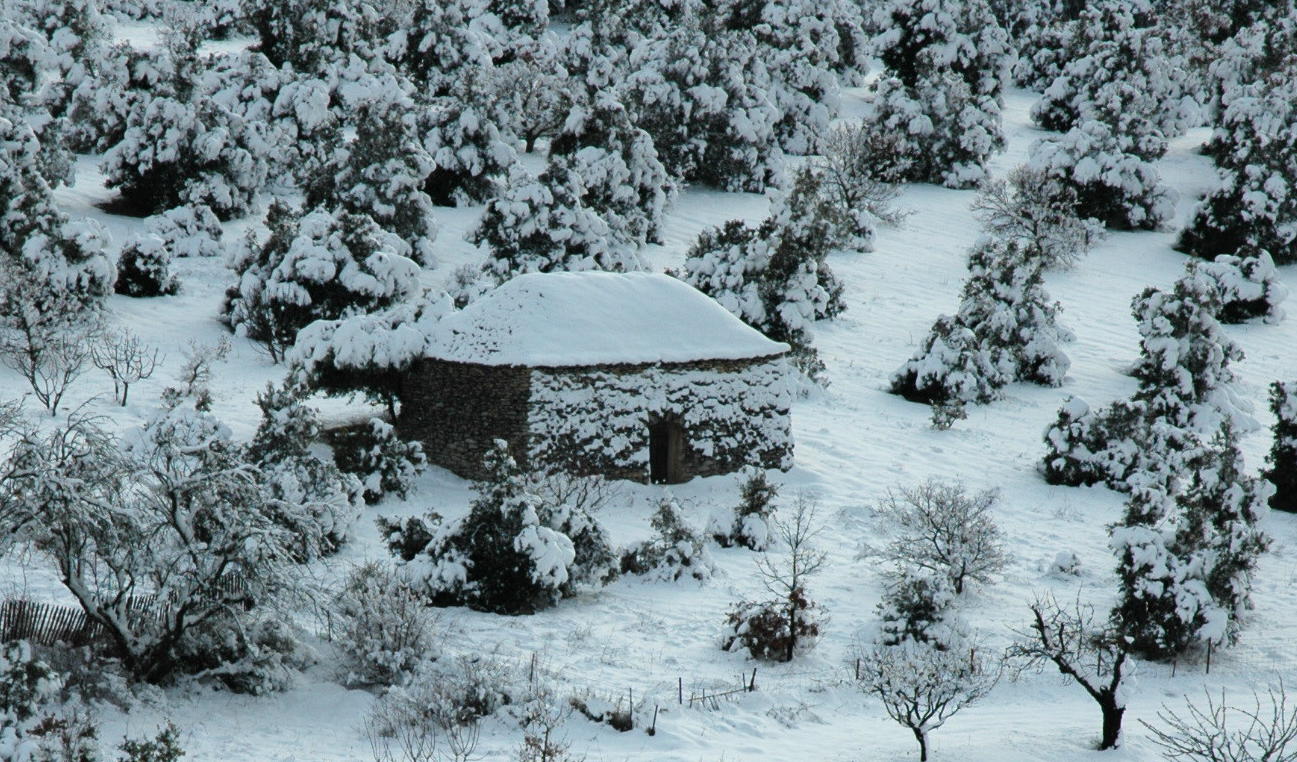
(595, 318)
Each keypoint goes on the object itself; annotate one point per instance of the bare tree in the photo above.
(1028, 209)
(853, 176)
(1092, 655)
(126, 359)
(48, 348)
(1220, 733)
(786, 577)
(943, 529)
(922, 686)
(398, 732)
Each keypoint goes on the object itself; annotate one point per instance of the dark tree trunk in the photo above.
(923, 744)
(1112, 715)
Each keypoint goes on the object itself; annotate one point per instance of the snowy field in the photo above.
(854, 441)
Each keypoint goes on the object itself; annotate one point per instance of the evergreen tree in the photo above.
(1282, 461)
(1125, 79)
(1090, 165)
(919, 39)
(317, 266)
(310, 34)
(144, 269)
(541, 225)
(470, 155)
(940, 131)
(624, 181)
(440, 40)
(1254, 204)
(382, 169)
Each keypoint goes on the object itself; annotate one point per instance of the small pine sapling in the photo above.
(748, 524)
(676, 550)
(144, 269)
(374, 453)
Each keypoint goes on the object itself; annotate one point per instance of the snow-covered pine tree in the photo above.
(533, 93)
(78, 37)
(1045, 36)
(1005, 330)
(939, 130)
(1282, 460)
(919, 39)
(310, 34)
(1254, 204)
(28, 690)
(380, 460)
(470, 154)
(186, 151)
(189, 231)
(439, 40)
(702, 93)
(1185, 395)
(500, 557)
(1126, 79)
(1091, 165)
(293, 474)
(381, 170)
(44, 257)
(676, 550)
(316, 266)
(523, 18)
(624, 181)
(539, 224)
(100, 104)
(916, 607)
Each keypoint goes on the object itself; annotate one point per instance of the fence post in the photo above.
(653, 729)
(680, 689)
(752, 684)
(857, 668)
(1209, 644)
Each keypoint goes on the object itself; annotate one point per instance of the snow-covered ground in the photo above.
(853, 442)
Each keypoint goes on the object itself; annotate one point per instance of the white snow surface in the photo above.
(565, 319)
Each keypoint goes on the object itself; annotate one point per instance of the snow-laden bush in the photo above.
(540, 224)
(1254, 204)
(1250, 83)
(1045, 36)
(534, 93)
(1091, 165)
(317, 266)
(470, 155)
(1039, 214)
(28, 688)
(502, 557)
(379, 170)
(1249, 287)
(45, 259)
(385, 628)
(703, 95)
(1282, 461)
(188, 231)
(676, 549)
(383, 462)
(624, 181)
(144, 269)
(940, 130)
(1125, 79)
(569, 505)
(767, 632)
(917, 39)
(281, 448)
(310, 34)
(1006, 330)
(916, 607)
(178, 152)
(1186, 559)
(439, 41)
(776, 277)
(747, 524)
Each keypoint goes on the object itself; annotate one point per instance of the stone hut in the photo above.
(633, 376)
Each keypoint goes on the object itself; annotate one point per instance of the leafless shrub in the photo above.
(1028, 209)
(126, 359)
(943, 529)
(1221, 733)
(50, 352)
(858, 177)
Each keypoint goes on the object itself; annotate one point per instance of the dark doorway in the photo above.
(666, 452)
